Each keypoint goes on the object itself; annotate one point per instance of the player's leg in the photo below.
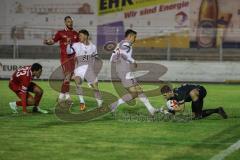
(198, 96)
(91, 78)
(38, 92)
(97, 93)
(197, 102)
(143, 98)
(132, 86)
(126, 98)
(25, 99)
(29, 99)
(208, 112)
(79, 74)
(13, 105)
(78, 81)
(129, 85)
(199, 113)
(134, 91)
(65, 86)
(68, 68)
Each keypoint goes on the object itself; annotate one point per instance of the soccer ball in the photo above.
(172, 104)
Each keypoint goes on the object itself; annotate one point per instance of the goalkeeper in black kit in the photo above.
(189, 93)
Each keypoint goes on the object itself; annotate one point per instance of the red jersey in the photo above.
(20, 82)
(21, 78)
(62, 36)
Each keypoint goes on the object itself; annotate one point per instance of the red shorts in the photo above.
(17, 89)
(68, 65)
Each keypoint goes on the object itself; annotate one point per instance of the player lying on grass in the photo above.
(189, 93)
(86, 54)
(21, 83)
(122, 60)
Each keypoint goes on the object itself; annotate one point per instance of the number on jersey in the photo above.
(22, 71)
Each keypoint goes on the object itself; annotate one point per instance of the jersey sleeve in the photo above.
(71, 49)
(57, 37)
(94, 54)
(125, 52)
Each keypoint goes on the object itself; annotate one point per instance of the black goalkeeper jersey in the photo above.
(181, 94)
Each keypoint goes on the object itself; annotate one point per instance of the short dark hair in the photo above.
(130, 31)
(67, 18)
(166, 89)
(84, 31)
(36, 67)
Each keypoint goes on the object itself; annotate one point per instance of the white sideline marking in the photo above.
(223, 154)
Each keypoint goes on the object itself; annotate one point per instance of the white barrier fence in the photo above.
(177, 70)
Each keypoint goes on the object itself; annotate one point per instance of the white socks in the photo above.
(146, 102)
(64, 95)
(61, 96)
(81, 99)
(67, 95)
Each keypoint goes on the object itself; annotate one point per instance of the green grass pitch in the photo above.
(38, 136)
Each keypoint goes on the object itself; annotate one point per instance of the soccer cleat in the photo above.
(82, 107)
(42, 111)
(39, 110)
(35, 110)
(13, 107)
(222, 112)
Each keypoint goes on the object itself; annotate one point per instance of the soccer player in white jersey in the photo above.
(122, 59)
(85, 53)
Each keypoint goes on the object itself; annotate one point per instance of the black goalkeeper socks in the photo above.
(208, 112)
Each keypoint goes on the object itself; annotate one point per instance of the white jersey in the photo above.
(85, 60)
(123, 51)
(81, 49)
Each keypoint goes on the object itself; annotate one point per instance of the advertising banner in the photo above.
(158, 23)
(214, 22)
(176, 70)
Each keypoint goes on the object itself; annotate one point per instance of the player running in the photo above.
(86, 54)
(122, 59)
(189, 93)
(67, 61)
(21, 83)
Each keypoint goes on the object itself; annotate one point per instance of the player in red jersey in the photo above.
(21, 83)
(64, 37)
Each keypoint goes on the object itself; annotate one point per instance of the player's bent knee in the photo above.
(37, 90)
(133, 92)
(194, 94)
(138, 89)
